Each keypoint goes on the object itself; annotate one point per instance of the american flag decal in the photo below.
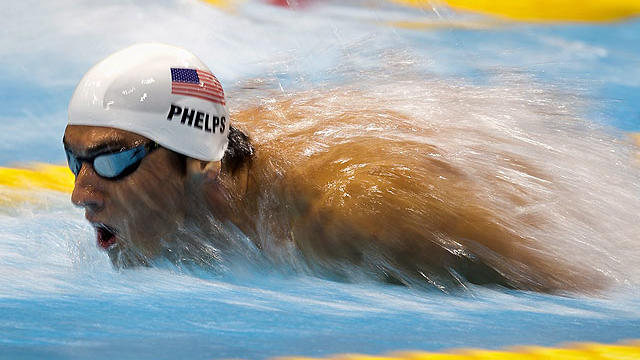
(196, 83)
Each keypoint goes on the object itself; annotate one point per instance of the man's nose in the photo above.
(87, 191)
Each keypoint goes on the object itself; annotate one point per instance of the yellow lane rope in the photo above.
(629, 350)
(527, 10)
(542, 10)
(38, 176)
(19, 186)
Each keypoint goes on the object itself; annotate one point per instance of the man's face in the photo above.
(134, 214)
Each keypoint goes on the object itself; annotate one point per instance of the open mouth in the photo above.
(106, 236)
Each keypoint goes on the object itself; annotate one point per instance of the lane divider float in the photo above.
(522, 10)
(628, 350)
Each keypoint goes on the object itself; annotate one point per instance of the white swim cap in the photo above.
(162, 92)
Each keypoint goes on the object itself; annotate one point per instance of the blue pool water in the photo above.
(60, 298)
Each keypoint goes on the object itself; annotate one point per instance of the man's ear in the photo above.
(203, 171)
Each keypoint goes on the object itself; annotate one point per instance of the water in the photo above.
(560, 96)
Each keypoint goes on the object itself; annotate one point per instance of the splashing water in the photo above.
(416, 153)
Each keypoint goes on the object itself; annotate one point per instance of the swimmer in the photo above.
(155, 151)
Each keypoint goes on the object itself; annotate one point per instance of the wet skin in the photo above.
(396, 208)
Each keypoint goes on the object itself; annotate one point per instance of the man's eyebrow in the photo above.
(109, 144)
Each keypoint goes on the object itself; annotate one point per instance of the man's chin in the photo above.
(123, 257)
(182, 251)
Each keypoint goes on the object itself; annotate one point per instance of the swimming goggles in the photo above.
(112, 165)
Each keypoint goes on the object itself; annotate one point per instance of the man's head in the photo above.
(147, 129)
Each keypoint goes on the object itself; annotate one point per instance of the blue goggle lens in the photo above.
(118, 164)
(111, 165)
